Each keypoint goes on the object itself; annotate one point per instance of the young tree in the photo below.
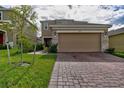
(21, 16)
(7, 26)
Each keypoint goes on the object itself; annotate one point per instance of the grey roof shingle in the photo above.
(71, 22)
(116, 32)
(3, 8)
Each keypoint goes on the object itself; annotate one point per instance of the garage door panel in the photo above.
(78, 42)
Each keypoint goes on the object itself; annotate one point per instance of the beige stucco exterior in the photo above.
(117, 42)
(104, 40)
(47, 33)
(6, 14)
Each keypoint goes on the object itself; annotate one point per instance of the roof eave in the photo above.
(116, 32)
(80, 31)
(2, 30)
(113, 34)
(80, 26)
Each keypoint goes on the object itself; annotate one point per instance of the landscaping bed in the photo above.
(36, 75)
(113, 52)
(119, 54)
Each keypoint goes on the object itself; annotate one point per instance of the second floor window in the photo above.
(45, 26)
(1, 15)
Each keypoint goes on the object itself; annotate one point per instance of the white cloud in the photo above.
(95, 14)
(114, 27)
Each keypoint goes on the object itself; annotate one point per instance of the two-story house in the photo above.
(13, 33)
(75, 36)
(3, 20)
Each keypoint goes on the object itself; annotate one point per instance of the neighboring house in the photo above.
(13, 34)
(4, 19)
(116, 39)
(75, 36)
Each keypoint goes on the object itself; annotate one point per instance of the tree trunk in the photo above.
(22, 26)
(21, 52)
(35, 47)
(7, 44)
(21, 47)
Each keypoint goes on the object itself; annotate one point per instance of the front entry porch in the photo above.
(47, 41)
(2, 37)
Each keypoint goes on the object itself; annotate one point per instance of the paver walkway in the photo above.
(38, 52)
(89, 70)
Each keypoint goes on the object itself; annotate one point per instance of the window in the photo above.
(45, 26)
(1, 15)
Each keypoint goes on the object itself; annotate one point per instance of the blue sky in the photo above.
(96, 14)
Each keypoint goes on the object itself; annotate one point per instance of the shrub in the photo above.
(4, 46)
(39, 47)
(119, 54)
(53, 48)
(110, 50)
(45, 49)
(27, 45)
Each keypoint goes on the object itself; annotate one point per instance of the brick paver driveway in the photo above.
(87, 70)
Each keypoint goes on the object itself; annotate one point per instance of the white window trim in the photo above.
(1, 15)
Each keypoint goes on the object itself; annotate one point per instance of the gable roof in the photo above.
(69, 23)
(2, 31)
(3, 8)
(116, 32)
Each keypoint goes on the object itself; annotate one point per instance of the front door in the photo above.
(1, 38)
(47, 42)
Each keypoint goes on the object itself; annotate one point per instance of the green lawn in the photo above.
(34, 76)
(119, 54)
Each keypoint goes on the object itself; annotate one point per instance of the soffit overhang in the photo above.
(80, 31)
(79, 27)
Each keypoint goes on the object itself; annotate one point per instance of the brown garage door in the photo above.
(78, 42)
